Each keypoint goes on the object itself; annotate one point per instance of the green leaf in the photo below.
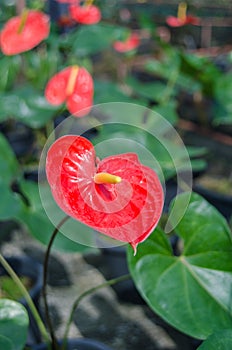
(13, 324)
(9, 68)
(223, 94)
(9, 167)
(193, 291)
(6, 343)
(221, 340)
(10, 204)
(38, 223)
(151, 90)
(89, 40)
(107, 91)
(28, 106)
(168, 111)
(223, 88)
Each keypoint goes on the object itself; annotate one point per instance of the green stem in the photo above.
(83, 295)
(169, 88)
(27, 297)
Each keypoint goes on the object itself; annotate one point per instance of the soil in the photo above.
(102, 316)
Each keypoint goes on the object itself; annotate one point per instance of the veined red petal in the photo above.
(82, 151)
(129, 215)
(35, 29)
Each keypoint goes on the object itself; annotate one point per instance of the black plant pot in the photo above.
(77, 344)
(20, 137)
(115, 261)
(25, 266)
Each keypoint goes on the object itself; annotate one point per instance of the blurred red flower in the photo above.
(179, 22)
(24, 32)
(85, 14)
(74, 86)
(131, 43)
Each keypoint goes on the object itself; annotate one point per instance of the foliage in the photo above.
(13, 325)
(191, 291)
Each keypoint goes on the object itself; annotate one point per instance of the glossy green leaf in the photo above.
(107, 91)
(10, 204)
(9, 68)
(27, 106)
(221, 340)
(13, 323)
(223, 94)
(89, 40)
(168, 111)
(153, 91)
(192, 291)
(9, 167)
(6, 343)
(38, 223)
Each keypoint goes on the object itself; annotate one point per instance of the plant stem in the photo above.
(44, 289)
(169, 88)
(27, 297)
(86, 293)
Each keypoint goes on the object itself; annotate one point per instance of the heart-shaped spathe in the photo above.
(73, 85)
(24, 32)
(127, 211)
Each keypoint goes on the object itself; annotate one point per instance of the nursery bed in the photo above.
(101, 316)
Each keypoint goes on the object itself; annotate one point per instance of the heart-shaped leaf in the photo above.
(13, 324)
(193, 291)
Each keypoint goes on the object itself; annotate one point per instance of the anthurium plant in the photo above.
(190, 290)
(118, 196)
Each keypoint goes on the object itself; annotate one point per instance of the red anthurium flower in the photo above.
(68, 1)
(85, 14)
(24, 32)
(178, 22)
(73, 85)
(182, 19)
(117, 196)
(131, 43)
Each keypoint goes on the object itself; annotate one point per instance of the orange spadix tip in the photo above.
(105, 178)
(182, 8)
(88, 2)
(72, 80)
